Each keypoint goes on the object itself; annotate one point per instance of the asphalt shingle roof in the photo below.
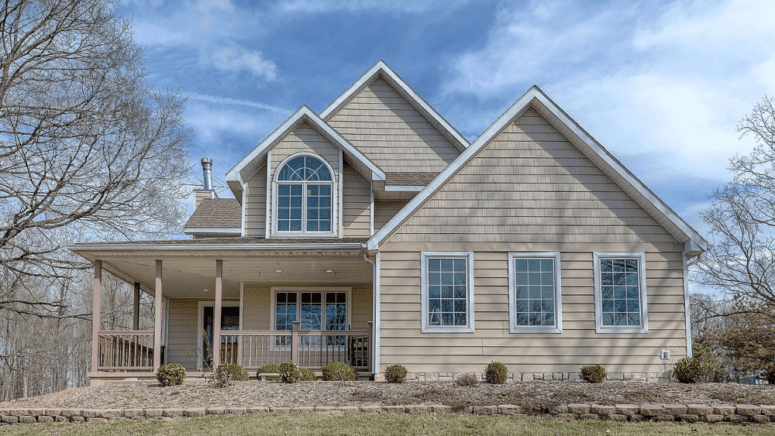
(216, 213)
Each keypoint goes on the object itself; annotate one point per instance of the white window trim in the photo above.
(200, 324)
(599, 327)
(557, 327)
(425, 328)
(335, 200)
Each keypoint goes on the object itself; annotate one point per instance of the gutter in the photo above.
(213, 247)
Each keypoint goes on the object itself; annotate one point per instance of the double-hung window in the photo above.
(620, 293)
(304, 195)
(535, 294)
(447, 292)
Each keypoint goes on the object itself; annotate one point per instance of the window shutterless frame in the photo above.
(433, 327)
(556, 327)
(298, 291)
(642, 294)
(333, 206)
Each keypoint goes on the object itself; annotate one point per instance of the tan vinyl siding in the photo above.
(255, 204)
(385, 210)
(305, 138)
(391, 132)
(356, 204)
(531, 190)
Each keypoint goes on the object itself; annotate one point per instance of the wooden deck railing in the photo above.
(308, 349)
(125, 350)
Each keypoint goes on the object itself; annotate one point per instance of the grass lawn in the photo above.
(382, 425)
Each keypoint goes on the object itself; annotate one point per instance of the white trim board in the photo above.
(383, 70)
(587, 145)
(300, 116)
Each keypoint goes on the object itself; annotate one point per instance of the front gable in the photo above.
(383, 124)
(531, 185)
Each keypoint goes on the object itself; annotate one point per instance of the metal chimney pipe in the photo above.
(207, 169)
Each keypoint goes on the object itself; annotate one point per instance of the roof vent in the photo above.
(207, 169)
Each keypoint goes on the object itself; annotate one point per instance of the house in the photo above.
(374, 233)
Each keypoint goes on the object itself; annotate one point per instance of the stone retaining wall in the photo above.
(547, 376)
(621, 412)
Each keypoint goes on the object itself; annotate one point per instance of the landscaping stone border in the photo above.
(690, 413)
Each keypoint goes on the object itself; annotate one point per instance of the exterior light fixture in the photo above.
(278, 270)
(329, 271)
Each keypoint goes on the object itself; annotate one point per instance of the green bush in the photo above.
(339, 371)
(496, 373)
(270, 368)
(688, 370)
(226, 373)
(467, 380)
(289, 372)
(593, 373)
(306, 375)
(171, 374)
(769, 374)
(395, 373)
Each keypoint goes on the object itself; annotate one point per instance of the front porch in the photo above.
(252, 308)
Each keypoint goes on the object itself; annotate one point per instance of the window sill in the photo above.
(604, 330)
(297, 235)
(435, 329)
(535, 329)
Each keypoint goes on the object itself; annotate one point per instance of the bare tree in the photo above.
(88, 149)
(741, 261)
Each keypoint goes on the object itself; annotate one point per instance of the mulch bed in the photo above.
(531, 396)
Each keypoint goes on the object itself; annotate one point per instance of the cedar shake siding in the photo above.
(530, 190)
(391, 132)
(356, 204)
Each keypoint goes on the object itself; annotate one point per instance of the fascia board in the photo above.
(533, 94)
(177, 248)
(396, 81)
(197, 230)
(301, 115)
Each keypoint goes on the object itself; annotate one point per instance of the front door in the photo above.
(229, 321)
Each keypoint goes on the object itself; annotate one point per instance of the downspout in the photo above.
(375, 311)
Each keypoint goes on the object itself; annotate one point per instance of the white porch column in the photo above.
(96, 318)
(157, 319)
(217, 313)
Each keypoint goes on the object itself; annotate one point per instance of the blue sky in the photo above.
(661, 84)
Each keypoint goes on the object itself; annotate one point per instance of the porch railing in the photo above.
(307, 349)
(125, 350)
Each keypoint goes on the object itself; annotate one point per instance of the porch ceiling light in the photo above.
(329, 270)
(205, 290)
(278, 270)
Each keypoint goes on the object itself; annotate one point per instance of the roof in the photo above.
(409, 179)
(235, 178)
(381, 69)
(216, 213)
(535, 97)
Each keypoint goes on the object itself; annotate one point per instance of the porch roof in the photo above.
(188, 265)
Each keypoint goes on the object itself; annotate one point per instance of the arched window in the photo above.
(304, 196)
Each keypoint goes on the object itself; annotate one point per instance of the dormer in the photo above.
(292, 185)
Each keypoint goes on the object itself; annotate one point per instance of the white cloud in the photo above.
(237, 102)
(234, 58)
(406, 6)
(669, 82)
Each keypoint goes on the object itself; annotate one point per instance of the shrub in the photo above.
(467, 380)
(306, 375)
(227, 373)
(171, 374)
(395, 373)
(688, 370)
(289, 372)
(496, 373)
(339, 371)
(270, 368)
(769, 374)
(593, 373)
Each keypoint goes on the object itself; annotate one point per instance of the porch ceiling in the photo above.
(189, 277)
